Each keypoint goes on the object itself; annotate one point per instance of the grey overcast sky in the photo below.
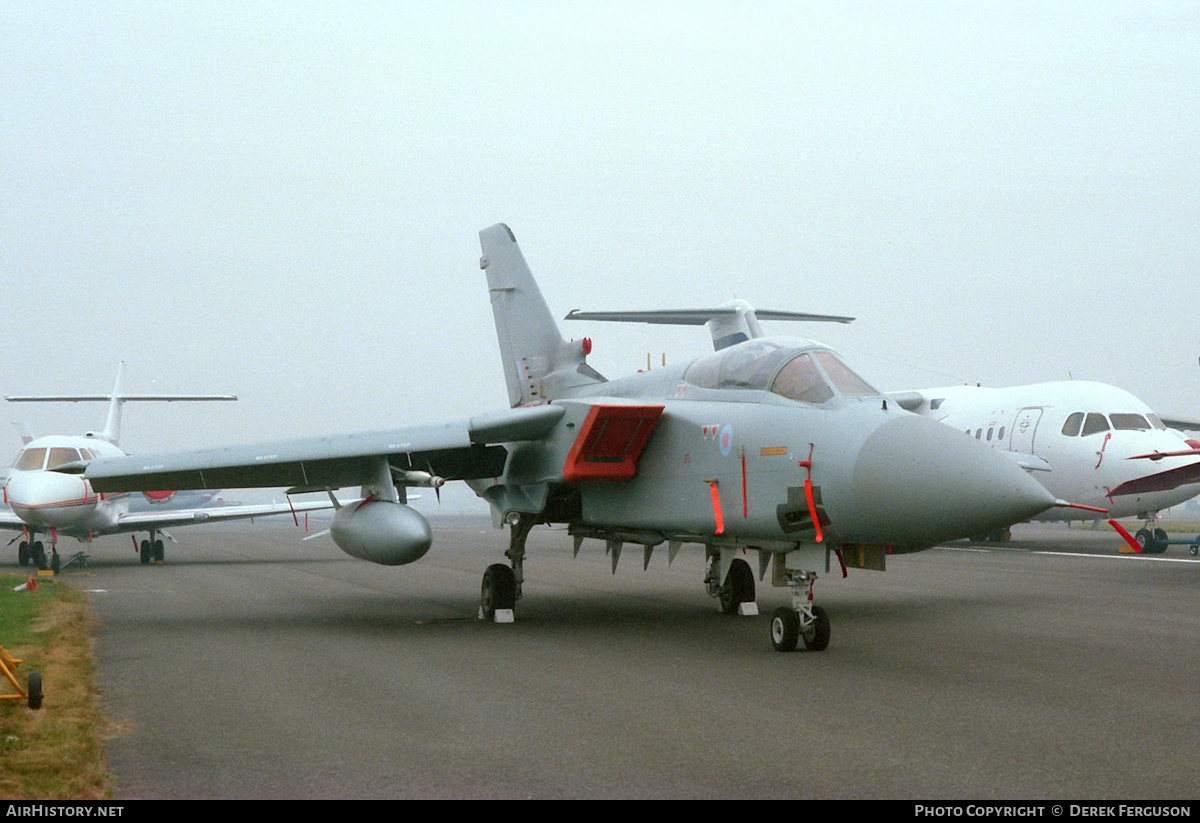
(282, 200)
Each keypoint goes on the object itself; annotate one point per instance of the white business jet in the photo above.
(50, 503)
(1087, 442)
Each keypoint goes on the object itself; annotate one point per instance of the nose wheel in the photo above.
(803, 621)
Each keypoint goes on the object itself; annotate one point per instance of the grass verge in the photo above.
(55, 752)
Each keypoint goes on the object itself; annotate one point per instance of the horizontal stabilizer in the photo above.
(732, 323)
(698, 317)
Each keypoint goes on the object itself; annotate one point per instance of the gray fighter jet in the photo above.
(768, 444)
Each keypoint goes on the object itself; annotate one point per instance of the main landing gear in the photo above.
(151, 550)
(803, 621)
(501, 587)
(34, 552)
(736, 594)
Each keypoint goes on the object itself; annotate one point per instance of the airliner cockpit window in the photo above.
(1094, 424)
(30, 460)
(1155, 422)
(61, 456)
(1073, 424)
(1129, 422)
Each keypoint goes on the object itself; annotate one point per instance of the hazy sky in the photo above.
(282, 200)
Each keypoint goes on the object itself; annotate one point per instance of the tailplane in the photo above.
(538, 364)
(732, 323)
(112, 424)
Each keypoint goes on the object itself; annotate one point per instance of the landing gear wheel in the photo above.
(35, 690)
(23, 554)
(1151, 541)
(785, 629)
(738, 587)
(144, 554)
(498, 591)
(816, 634)
(157, 551)
(37, 555)
(55, 562)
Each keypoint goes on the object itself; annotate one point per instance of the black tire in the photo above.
(157, 551)
(816, 639)
(144, 554)
(498, 591)
(738, 587)
(1144, 540)
(37, 554)
(35, 690)
(785, 629)
(55, 562)
(23, 554)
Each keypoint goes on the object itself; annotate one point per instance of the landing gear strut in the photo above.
(501, 587)
(803, 620)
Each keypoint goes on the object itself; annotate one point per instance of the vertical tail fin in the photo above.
(538, 364)
(112, 423)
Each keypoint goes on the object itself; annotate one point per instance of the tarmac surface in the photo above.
(254, 665)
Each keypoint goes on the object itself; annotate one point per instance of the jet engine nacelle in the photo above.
(383, 532)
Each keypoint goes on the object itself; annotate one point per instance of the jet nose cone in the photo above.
(917, 483)
(47, 498)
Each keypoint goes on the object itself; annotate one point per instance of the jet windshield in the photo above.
(35, 457)
(791, 369)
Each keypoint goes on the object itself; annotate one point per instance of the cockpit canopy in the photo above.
(795, 369)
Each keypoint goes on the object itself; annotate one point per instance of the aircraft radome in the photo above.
(46, 501)
(772, 444)
(1090, 443)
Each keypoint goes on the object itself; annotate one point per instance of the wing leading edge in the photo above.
(460, 450)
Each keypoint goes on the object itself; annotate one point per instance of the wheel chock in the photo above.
(748, 609)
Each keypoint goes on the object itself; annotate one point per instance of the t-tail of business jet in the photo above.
(46, 502)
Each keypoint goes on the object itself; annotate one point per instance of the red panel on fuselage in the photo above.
(610, 442)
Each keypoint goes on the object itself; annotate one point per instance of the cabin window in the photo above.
(1094, 423)
(1073, 424)
(30, 460)
(1000, 436)
(989, 435)
(1129, 422)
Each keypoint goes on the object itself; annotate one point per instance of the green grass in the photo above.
(55, 752)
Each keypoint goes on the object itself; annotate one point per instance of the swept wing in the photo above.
(461, 450)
